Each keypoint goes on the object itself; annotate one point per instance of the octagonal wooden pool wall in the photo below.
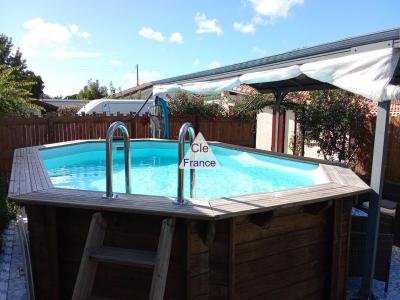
(287, 245)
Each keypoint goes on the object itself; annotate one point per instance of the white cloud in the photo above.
(244, 28)
(115, 62)
(144, 76)
(205, 25)
(274, 8)
(45, 39)
(176, 37)
(75, 30)
(214, 64)
(47, 34)
(259, 51)
(151, 34)
(196, 62)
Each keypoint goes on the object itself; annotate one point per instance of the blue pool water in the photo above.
(154, 170)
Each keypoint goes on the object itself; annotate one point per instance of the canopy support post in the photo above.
(377, 181)
(279, 96)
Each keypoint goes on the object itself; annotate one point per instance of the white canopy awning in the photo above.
(367, 74)
(271, 75)
(200, 87)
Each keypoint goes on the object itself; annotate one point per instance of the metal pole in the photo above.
(279, 96)
(186, 128)
(377, 180)
(137, 74)
(109, 158)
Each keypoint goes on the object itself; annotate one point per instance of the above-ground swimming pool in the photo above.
(276, 223)
(154, 170)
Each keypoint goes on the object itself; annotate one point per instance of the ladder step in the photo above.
(123, 256)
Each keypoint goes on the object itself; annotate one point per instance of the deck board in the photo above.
(30, 183)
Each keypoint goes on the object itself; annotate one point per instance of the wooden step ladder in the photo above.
(95, 252)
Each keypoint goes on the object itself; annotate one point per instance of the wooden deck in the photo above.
(30, 184)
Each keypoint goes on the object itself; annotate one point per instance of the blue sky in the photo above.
(68, 42)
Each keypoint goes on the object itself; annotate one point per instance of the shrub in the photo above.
(248, 106)
(7, 209)
(334, 120)
(184, 104)
(68, 110)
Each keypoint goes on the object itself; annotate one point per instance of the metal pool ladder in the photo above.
(109, 160)
(186, 128)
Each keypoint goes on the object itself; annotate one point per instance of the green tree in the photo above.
(334, 120)
(14, 60)
(248, 106)
(92, 90)
(74, 96)
(14, 92)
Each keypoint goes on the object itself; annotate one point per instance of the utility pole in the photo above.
(137, 74)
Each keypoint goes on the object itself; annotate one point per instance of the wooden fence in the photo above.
(33, 131)
(51, 128)
(392, 170)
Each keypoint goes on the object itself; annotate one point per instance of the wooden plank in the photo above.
(340, 248)
(44, 248)
(221, 261)
(232, 261)
(257, 249)
(279, 225)
(87, 270)
(162, 260)
(293, 291)
(122, 256)
(153, 205)
(283, 260)
(197, 262)
(236, 206)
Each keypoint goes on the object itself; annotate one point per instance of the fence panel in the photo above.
(23, 132)
(52, 128)
(392, 167)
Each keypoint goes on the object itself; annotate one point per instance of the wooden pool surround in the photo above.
(291, 244)
(30, 183)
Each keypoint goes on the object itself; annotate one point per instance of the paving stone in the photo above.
(354, 283)
(12, 278)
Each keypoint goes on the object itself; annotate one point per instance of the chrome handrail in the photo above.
(186, 128)
(109, 159)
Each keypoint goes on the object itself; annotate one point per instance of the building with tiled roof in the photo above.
(244, 89)
(131, 91)
(394, 108)
(304, 96)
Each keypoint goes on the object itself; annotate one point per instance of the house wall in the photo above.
(264, 129)
(264, 134)
(312, 151)
(290, 124)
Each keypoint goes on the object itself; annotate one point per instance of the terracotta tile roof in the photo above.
(132, 90)
(300, 97)
(245, 89)
(394, 108)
